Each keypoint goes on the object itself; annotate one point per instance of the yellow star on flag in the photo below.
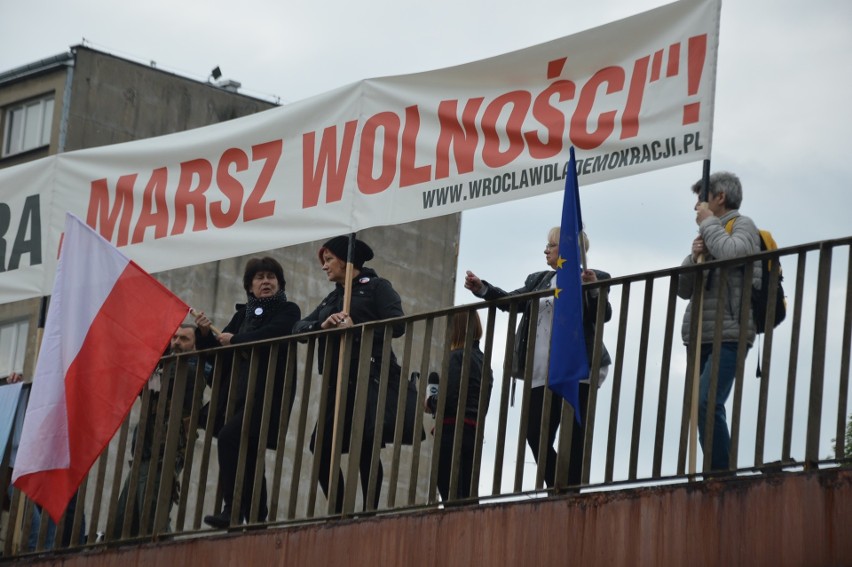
(559, 262)
(556, 292)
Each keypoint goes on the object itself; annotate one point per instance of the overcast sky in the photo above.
(782, 114)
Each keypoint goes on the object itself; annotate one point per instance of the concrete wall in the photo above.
(418, 258)
(114, 100)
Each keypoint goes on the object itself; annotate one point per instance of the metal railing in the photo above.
(637, 423)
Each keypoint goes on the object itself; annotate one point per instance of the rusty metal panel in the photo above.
(775, 520)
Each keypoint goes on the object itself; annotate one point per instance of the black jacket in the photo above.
(373, 299)
(277, 320)
(474, 384)
(536, 282)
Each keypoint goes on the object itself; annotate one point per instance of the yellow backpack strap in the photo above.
(768, 240)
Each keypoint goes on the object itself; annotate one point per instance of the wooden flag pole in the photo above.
(696, 373)
(213, 329)
(347, 300)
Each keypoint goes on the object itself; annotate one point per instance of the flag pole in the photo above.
(566, 370)
(347, 300)
(42, 317)
(213, 328)
(696, 371)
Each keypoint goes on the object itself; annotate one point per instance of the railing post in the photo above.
(846, 345)
(639, 394)
(665, 371)
(793, 358)
(818, 357)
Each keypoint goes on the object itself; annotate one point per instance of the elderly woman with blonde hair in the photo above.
(538, 373)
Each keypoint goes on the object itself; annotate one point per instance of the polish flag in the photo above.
(108, 324)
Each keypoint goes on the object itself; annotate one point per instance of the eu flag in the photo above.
(568, 360)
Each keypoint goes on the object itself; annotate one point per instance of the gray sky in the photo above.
(782, 114)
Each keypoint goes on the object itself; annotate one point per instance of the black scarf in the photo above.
(256, 307)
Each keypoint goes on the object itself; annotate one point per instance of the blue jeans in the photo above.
(727, 369)
(50, 538)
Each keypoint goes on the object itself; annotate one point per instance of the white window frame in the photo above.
(13, 346)
(27, 125)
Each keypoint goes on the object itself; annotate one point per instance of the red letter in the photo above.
(99, 214)
(463, 137)
(491, 154)
(313, 172)
(389, 122)
(552, 118)
(270, 153)
(187, 195)
(230, 188)
(630, 119)
(582, 138)
(155, 211)
(409, 174)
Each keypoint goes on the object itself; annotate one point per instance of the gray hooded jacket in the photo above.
(743, 240)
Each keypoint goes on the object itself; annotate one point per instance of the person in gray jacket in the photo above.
(714, 242)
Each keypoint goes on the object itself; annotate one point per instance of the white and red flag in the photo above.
(108, 324)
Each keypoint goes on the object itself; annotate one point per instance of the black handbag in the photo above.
(410, 407)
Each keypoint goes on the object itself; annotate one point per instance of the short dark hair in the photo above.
(265, 264)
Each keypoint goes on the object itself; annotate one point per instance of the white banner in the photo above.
(631, 96)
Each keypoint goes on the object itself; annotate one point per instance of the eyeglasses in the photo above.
(550, 245)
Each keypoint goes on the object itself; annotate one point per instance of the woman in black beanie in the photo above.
(373, 299)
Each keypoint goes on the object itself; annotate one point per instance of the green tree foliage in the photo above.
(848, 444)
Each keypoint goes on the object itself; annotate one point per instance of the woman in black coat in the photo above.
(373, 299)
(471, 415)
(266, 314)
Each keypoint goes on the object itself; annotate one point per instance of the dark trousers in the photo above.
(534, 433)
(366, 443)
(132, 504)
(363, 467)
(229, 451)
(445, 461)
(575, 465)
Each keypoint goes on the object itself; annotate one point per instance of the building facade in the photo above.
(87, 98)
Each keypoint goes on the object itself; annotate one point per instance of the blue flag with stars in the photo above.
(568, 360)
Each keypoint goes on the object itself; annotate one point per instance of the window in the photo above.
(13, 346)
(27, 125)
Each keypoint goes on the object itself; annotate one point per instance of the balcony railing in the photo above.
(638, 421)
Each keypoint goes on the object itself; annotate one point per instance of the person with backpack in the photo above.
(714, 242)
